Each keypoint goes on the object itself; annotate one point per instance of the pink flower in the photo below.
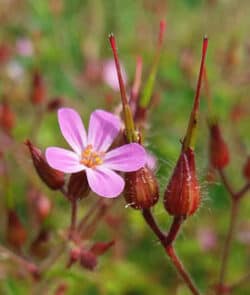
(109, 74)
(24, 47)
(90, 151)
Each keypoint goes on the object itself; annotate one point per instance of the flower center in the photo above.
(91, 158)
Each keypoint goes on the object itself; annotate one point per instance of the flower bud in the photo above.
(61, 289)
(54, 104)
(88, 260)
(78, 186)
(74, 256)
(141, 188)
(219, 153)
(101, 247)
(15, 233)
(40, 247)
(53, 178)
(182, 195)
(246, 169)
(38, 92)
(5, 53)
(41, 204)
(7, 117)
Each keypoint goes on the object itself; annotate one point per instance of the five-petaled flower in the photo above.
(91, 151)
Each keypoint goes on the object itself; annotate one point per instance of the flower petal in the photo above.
(104, 182)
(72, 129)
(109, 74)
(63, 160)
(151, 161)
(127, 158)
(103, 128)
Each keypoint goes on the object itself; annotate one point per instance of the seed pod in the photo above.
(53, 178)
(88, 260)
(141, 188)
(15, 232)
(182, 195)
(40, 247)
(7, 117)
(74, 256)
(100, 248)
(246, 169)
(38, 92)
(219, 153)
(61, 289)
(54, 104)
(78, 186)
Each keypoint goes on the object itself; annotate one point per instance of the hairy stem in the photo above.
(72, 228)
(226, 183)
(228, 243)
(181, 270)
(167, 242)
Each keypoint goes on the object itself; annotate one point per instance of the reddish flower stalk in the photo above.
(131, 133)
(182, 196)
(235, 203)
(167, 242)
(220, 158)
(190, 134)
(28, 265)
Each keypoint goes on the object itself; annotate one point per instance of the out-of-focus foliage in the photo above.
(69, 42)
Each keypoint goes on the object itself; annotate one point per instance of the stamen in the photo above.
(91, 158)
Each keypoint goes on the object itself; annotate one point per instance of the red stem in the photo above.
(243, 191)
(167, 243)
(118, 68)
(235, 198)
(73, 218)
(163, 25)
(226, 183)
(198, 87)
(190, 133)
(179, 266)
(228, 242)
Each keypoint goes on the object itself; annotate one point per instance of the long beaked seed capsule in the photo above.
(219, 153)
(141, 188)
(182, 195)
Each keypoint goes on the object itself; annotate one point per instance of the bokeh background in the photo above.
(66, 42)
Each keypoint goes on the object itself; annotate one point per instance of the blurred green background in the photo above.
(67, 43)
